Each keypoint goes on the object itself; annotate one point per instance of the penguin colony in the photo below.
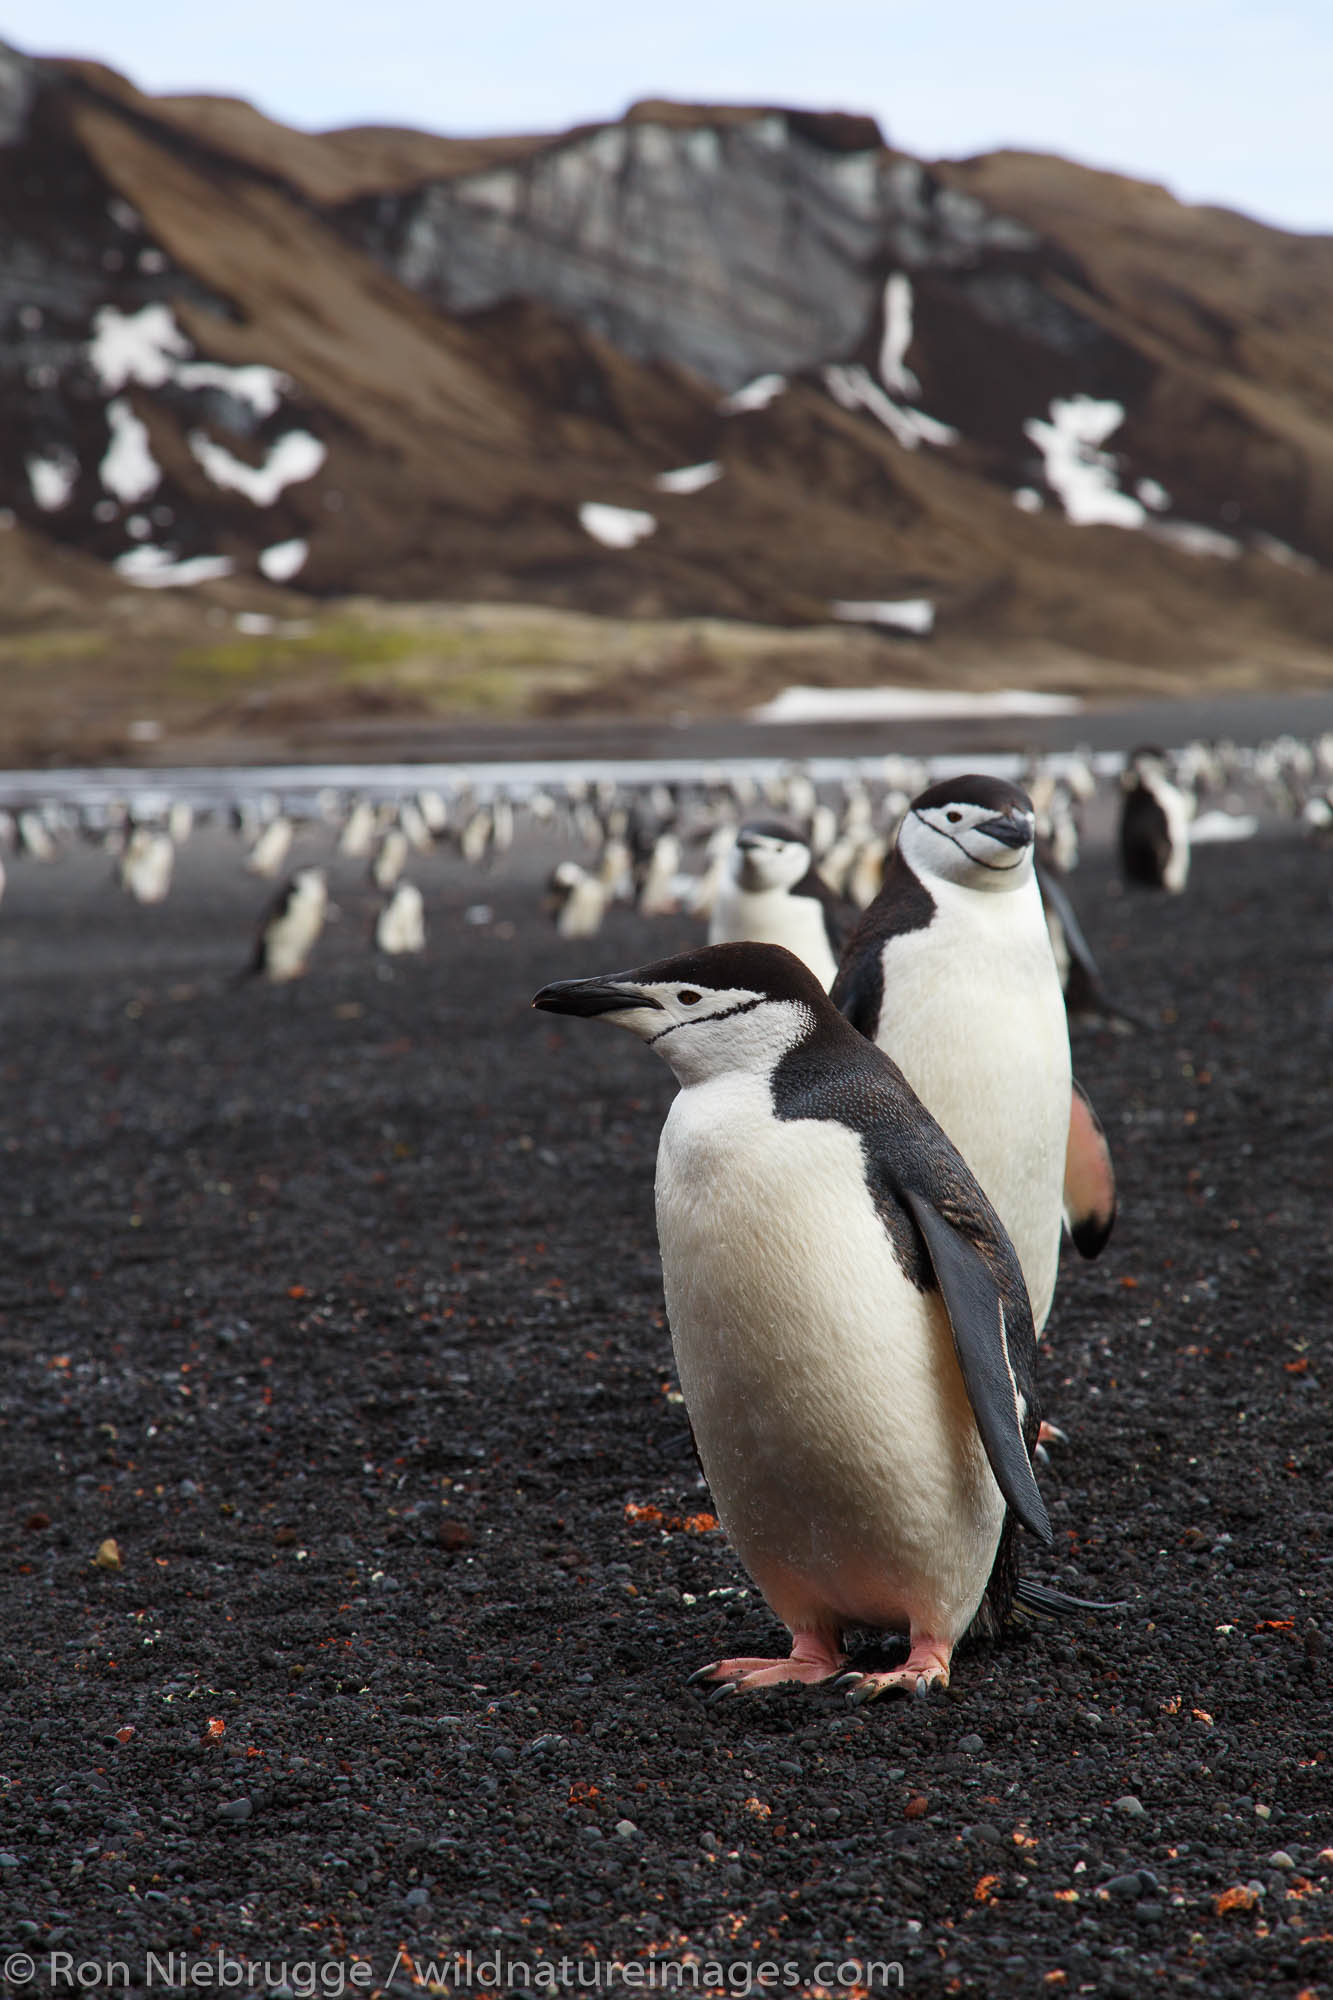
(692, 848)
(876, 1136)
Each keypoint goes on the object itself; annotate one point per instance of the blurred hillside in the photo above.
(741, 363)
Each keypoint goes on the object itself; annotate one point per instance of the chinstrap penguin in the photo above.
(772, 893)
(291, 928)
(950, 972)
(576, 900)
(850, 1323)
(147, 863)
(1154, 825)
(400, 926)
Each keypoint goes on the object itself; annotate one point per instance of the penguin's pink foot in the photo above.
(926, 1667)
(813, 1658)
(1051, 1434)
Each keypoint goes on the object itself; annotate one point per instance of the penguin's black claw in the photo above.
(1040, 1455)
(848, 1680)
(702, 1674)
(721, 1693)
(921, 1691)
(1052, 1434)
(865, 1690)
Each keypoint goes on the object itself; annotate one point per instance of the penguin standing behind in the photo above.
(146, 864)
(390, 860)
(951, 973)
(271, 848)
(401, 925)
(291, 928)
(658, 892)
(576, 899)
(772, 893)
(850, 1323)
(1154, 825)
(358, 834)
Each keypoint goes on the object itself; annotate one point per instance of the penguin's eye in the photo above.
(688, 997)
(953, 817)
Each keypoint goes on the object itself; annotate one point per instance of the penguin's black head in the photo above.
(974, 830)
(725, 1006)
(1144, 767)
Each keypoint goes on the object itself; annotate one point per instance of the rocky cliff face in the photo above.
(733, 248)
(748, 361)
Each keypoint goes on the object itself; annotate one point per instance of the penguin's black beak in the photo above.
(1009, 832)
(592, 996)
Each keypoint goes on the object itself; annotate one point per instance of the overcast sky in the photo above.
(1223, 100)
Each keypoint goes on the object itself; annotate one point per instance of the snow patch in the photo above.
(157, 569)
(1211, 829)
(1028, 500)
(52, 478)
(1283, 553)
(891, 704)
(615, 527)
(294, 457)
(284, 559)
(756, 395)
(907, 614)
(128, 467)
(261, 387)
(1153, 494)
(897, 378)
(141, 347)
(688, 478)
(149, 348)
(1196, 540)
(855, 388)
(1077, 469)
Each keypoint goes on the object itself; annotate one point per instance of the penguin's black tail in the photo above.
(1050, 1603)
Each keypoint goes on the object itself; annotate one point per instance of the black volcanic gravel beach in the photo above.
(337, 1309)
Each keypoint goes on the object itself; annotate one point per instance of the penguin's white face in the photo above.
(702, 1030)
(973, 845)
(763, 860)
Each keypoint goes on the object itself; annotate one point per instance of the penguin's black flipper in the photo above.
(1090, 1197)
(1051, 1603)
(858, 990)
(1084, 989)
(976, 1313)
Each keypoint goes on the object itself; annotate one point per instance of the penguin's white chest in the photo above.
(825, 1396)
(290, 937)
(774, 916)
(974, 1017)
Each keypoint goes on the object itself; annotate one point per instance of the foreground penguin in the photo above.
(772, 893)
(951, 973)
(850, 1323)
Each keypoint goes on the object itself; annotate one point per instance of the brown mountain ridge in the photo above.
(1037, 412)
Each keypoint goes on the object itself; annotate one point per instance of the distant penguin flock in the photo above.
(754, 854)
